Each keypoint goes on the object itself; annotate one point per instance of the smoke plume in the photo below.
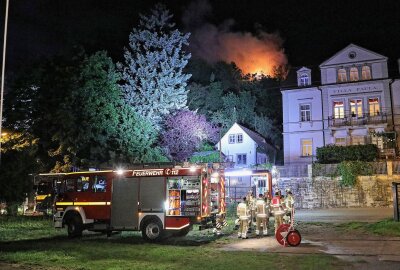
(251, 53)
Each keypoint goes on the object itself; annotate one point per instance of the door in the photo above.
(124, 203)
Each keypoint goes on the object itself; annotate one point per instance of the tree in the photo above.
(154, 81)
(185, 132)
(89, 113)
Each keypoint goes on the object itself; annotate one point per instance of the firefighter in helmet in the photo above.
(243, 213)
(261, 216)
(289, 204)
(251, 203)
(277, 209)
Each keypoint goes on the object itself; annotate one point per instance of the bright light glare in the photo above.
(192, 168)
(239, 173)
(120, 171)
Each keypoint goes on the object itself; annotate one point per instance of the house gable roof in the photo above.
(353, 54)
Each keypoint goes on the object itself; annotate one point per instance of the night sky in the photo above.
(311, 31)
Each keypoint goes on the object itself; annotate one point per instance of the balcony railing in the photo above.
(354, 120)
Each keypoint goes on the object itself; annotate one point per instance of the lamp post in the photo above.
(2, 71)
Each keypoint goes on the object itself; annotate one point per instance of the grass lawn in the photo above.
(387, 227)
(33, 241)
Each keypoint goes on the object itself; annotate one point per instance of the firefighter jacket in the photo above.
(261, 208)
(243, 211)
(276, 205)
(289, 201)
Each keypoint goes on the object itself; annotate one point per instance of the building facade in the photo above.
(355, 103)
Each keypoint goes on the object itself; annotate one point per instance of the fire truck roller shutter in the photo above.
(124, 204)
(152, 194)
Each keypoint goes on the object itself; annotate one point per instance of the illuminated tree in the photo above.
(185, 132)
(154, 81)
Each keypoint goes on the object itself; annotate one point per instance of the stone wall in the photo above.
(326, 192)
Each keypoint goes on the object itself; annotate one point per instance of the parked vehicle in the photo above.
(156, 201)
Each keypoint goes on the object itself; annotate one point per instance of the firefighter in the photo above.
(289, 203)
(261, 216)
(243, 213)
(277, 208)
(251, 203)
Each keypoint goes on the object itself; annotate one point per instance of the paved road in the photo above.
(339, 215)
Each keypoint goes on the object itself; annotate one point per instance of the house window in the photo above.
(338, 109)
(305, 112)
(306, 147)
(342, 75)
(231, 138)
(230, 158)
(304, 80)
(340, 141)
(366, 73)
(373, 106)
(239, 138)
(356, 140)
(356, 107)
(353, 74)
(241, 159)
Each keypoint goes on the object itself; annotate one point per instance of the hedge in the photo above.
(335, 154)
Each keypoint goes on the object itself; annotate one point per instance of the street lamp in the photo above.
(3, 70)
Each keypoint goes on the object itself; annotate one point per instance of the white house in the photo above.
(245, 147)
(355, 101)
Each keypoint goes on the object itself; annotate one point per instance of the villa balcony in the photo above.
(353, 120)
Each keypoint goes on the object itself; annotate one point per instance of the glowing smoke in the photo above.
(252, 53)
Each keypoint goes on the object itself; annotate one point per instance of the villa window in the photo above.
(342, 75)
(357, 140)
(340, 141)
(305, 112)
(373, 106)
(306, 147)
(354, 74)
(304, 80)
(338, 109)
(356, 108)
(366, 73)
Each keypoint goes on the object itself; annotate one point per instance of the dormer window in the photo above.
(354, 74)
(366, 73)
(342, 75)
(304, 80)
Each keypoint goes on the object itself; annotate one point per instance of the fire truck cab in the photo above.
(156, 201)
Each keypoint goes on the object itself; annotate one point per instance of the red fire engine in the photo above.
(156, 201)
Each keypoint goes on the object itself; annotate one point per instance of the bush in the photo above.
(349, 170)
(335, 154)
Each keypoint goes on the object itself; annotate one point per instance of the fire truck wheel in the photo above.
(74, 226)
(152, 230)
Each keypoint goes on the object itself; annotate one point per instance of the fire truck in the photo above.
(159, 202)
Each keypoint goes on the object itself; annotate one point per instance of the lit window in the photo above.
(373, 106)
(338, 109)
(366, 73)
(240, 138)
(304, 80)
(305, 112)
(231, 138)
(340, 141)
(306, 147)
(342, 75)
(356, 140)
(230, 158)
(353, 74)
(241, 159)
(356, 107)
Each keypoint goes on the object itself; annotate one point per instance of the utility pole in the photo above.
(2, 74)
